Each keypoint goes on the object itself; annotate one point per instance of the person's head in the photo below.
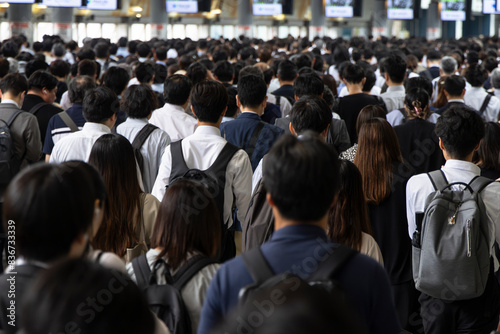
(495, 78)
(302, 60)
(145, 73)
(43, 84)
(85, 53)
(143, 50)
(353, 74)
(417, 103)
(370, 80)
(490, 64)
(419, 82)
(10, 49)
(224, 71)
(87, 67)
(454, 86)
(308, 84)
(4, 67)
(287, 71)
(197, 230)
(116, 79)
(448, 65)
(79, 87)
(310, 113)
(61, 201)
(35, 65)
(433, 57)
(395, 69)
(209, 101)
(349, 214)
(197, 72)
(300, 175)
(460, 130)
(14, 85)
(59, 68)
(377, 135)
(161, 53)
(251, 70)
(232, 105)
(139, 101)
(176, 89)
(100, 105)
(58, 50)
(101, 50)
(62, 295)
(488, 154)
(368, 112)
(252, 92)
(476, 75)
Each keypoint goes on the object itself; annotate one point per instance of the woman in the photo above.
(348, 219)
(384, 182)
(130, 213)
(488, 155)
(187, 226)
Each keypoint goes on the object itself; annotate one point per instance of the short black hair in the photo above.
(395, 67)
(197, 72)
(160, 73)
(116, 78)
(100, 104)
(87, 67)
(85, 53)
(308, 84)
(177, 89)
(433, 55)
(490, 64)
(10, 49)
(79, 86)
(252, 90)
(287, 70)
(14, 83)
(232, 107)
(224, 71)
(4, 67)
(353, 73)
(161, 53)
(251, 70)
(476, 75)
(59, 68)
(101, 50)
(139, 101)
(209, 100)
(310, 113)
(143, 50)
(145, 72)
(461, 129)
(35, 65)
(302, 60)
(301, 176)
(454, 85)
(40, 80)
(371, 79)
(419, 82)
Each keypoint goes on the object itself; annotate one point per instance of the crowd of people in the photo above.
(250, 186)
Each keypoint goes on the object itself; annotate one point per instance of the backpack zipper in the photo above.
(469, 241)
(452, 219)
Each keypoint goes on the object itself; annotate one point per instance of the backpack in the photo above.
(166, 300)
(214, 180)
(271, 112)
(451, 255)
(9, 163)
(139, 140)
(486, 101)
(266, 283)
(68, 121)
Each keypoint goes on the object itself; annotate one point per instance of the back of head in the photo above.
(251, 70)
(59, 68)
(99, 105)
(35, 65)
(310, 113)
(14, 83)
(79, 87)
(61, 299)
(460, 129)
(10, 49)
(177, 89)
(487, 155)
(454, 85)
(60, 199)
(302, 60)
(58, 50)
(143, 50)
(40, 80)
(419, 82)
(4, 67)
(116, 79)
(395, 67)
(308, 84)
(139, 101)
(369, 112)
(86, 53)
(490, 64)
(371, 79)
(433, 55)
(417, 103)
(495, 78)
(287, 71)
(232, 107)
(197, 72)
(448, 65)
(300, 175)
(145, 72)
(353, 74)
(87, 67)
(209, 100)
(101, 50)
(224, 71)
(252, 91)
(476, 75)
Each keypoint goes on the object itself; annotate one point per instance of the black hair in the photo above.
(417, 103)
(116, 79)
(287, 70)
(433, 55)
(419, 82)
(145, 72)
(14, 83)
(177, 89)
(220, 55)
(197, 72)
(40, 80)
(79, 86)
(209, 100)
(139, 101)
(308, 84)
(100, 104)
(251, 70)
(454, 85)
(10, 49)
(310, 113)
(101, 50)
(224, 71)
(88, 67)
(252, 91)
(122, 42)
(302, 60)
(490, 64)
(232, 107)
(371, 79)
(301, 176)
(4, 67)
(460, 128)
(476, 75)
(353, 73)
(59, 68)
(35, 65)
(85, 53)
(160, 73)
(143, 50)
(161, 53)
(395, 67)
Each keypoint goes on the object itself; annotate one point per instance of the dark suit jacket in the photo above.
(239, 133)
(287, 92)
(448, 105)
(430, 73)
(43, 115)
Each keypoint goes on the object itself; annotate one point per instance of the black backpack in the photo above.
(166, 300)
(139, 140)
(214, 180)
(9, 163)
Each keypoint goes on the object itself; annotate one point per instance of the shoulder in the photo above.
(151, 201)
(274, 129)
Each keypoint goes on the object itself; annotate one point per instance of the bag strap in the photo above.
(331, 266)
(278, 100)
(478, 183)
(13, 117)
(191, 268)
(179, 166)
(68, 121)
(142, 270)
(485, 104)
(37, 108)
(99, 256)
(223, 159)
(405, 115)
(438, 179)
(143, 135)
(257, 266)
(255, 137)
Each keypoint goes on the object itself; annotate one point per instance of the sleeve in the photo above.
(341, 139)
(33, 140)
(492, 111)
(286, 107)
(163, 178)
(410, 207)
(48, 144)
(149, 213)
(211, 313)
(242, 182)
(257, 175)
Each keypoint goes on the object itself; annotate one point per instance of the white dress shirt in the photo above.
(394, 97)
(174, 121)
(65, 102)
(152, 150)
(420, 186)
(77, 145)
(474, 97)
(200, 150)
(497, 93)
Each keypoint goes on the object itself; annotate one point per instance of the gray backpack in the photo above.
(451, 255)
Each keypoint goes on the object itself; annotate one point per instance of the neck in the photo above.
(258, 111)
(32, 92)
(17, 99)
(283, 83)
(393, 84)
(215, 125)
(281, 222)
(354, 88)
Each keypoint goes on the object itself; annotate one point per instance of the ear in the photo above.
(324, 134)
(264, 102)
(223, 113)
(386, 77)
(363, 82)
(292, 130)
(270, 200)
(441, 145)
(295, 97)
(192, 110)
(238, 103)
(477, 146)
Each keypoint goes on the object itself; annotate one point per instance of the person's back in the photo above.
(476, 97)
(287, 73)
(395, 73)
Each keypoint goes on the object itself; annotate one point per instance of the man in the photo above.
(248, 131)
(99, 109)
(102, 57)
(172, 118)
(460, 131)
(301, 180)
(447, 66)
(433, 62)
(495, 82)
(85, 67)
(287, 73)
(476, 97)
(454, 90)
(201, 149)
(143, 52)
(282, 103)
(42, 90)
(224, 73)
(394, 73)
(58, 128)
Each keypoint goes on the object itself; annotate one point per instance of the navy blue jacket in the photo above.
(298, 249)
(239, 133)
(57, 126)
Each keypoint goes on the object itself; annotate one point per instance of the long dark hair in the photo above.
(113, 156)
(349, 215)
(488, 154)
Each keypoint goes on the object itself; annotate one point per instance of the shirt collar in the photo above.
(472, 88)
(303, 231)
(11, 102)
(95, 127)
(462, 165)
(174, 107)
(398, 88)
(141, 121)
(456, 100)
(207, 130)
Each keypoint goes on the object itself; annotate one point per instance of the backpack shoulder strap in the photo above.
(257, 265)
(143, 135)
(438, 179)
(255, 137)
(403, 112)
(191, 268)
(13, 117)
(331, 266)
(99, 256)
(278, 100)
(485, 104)
(68, 121)
(142, 270)
(224, 157)
(478, 183)
(179, 166)
(37, 108)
